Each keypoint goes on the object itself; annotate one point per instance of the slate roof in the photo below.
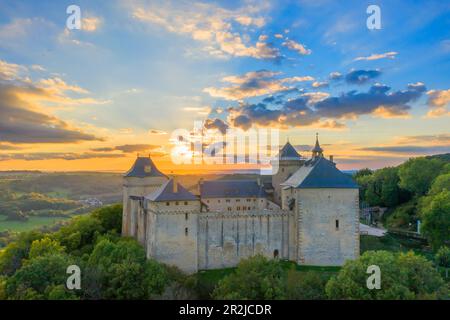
(144, 167)
(288, 152)
(165, 193)
(231, 189)
(320, 173)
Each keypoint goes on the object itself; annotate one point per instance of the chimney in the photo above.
(175, 184)
(331, 159)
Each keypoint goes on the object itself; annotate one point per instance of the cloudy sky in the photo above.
(90, 99)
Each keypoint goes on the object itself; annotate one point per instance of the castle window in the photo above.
(218, 201)
(176, 203)
(275, 254)
(207, 201)
(229, 208)
(185, 203)
(167, 203)
(186, 216)
(186, 231)
(282, 169)
(337, 224)
(238, 208)
(244, 208)
(248, 200)
(238, 200)
(228, 200)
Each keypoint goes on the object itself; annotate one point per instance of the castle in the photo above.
(308, 213)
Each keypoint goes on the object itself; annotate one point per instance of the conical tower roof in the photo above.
(317, 149)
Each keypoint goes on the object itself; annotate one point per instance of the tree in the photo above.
(14, 253)
(123, 272)
(44, 246)
(442, 182)
(36, 275)
(362, 173)
(305, 285)
(255, 278)
(443, 257)
(403, 276)
(120, 267)
(60, 292)
(436, 219)
(417, 174)
(110, 217)
(381, 188)
(80, 235)
(390, 192)
(3, 288)
(156, 277)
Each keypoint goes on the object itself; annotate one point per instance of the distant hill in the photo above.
(445, 157)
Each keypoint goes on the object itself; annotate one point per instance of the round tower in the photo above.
(142, 179)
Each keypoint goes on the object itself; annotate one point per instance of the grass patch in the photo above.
(395, 243)
(32, 223)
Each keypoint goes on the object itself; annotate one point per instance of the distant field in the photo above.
(32, 223)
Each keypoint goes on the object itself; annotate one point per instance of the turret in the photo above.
(317, 151)
(287, 162)
(142, 179)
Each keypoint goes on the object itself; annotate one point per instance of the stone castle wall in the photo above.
(226, 238)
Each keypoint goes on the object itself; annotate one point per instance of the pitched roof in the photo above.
(231, 189)
(144, 167)
(165, 193)
(320, 173)
(288, 152)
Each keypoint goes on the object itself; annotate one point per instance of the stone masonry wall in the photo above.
(226, 238)
(320, 242)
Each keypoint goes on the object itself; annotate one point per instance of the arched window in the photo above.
(275, 254)
(186, 231)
